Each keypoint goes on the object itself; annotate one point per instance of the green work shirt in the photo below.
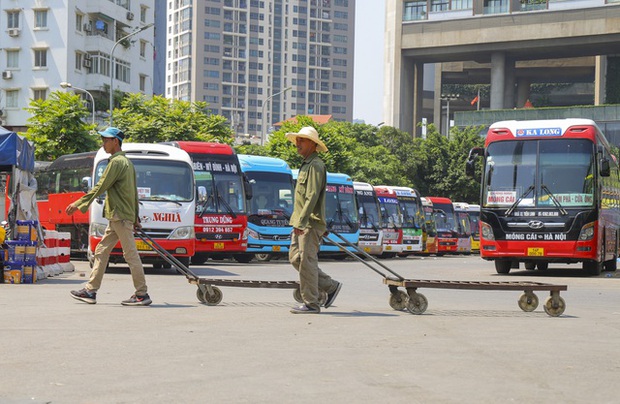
(119, 180)
(309, 210)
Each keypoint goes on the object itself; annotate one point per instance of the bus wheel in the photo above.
(593, 267)
(530, 266)
(243, 258)
(611, 265)
(263, 257)
(157, 265)
(199, 259)
(542, 266)
(502, 266)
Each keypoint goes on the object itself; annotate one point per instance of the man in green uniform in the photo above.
(121, 210)
(308, 222)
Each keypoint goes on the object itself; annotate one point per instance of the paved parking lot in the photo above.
(469, 346)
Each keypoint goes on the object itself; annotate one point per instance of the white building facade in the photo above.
(47, 42)
(259, 62)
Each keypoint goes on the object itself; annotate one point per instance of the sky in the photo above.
(368, 66)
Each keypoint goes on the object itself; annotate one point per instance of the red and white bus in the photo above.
(222, 211)
(550, 193)
(446, 222)
(391, 220)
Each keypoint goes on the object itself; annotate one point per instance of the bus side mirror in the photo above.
(605, 169)
(470, 165)
(202, 193)
(247, 187)
(86, 184)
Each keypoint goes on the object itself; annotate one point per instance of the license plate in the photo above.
(535, 252)
(276, 248)
(388, 248)
(142, 246)
(367, 249)
(218, 246)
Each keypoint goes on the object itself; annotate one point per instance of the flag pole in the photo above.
(478, 102)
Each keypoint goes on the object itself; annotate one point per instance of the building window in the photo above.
(143, 14)
(39, 93)
(142, 83)
(78, 60)
(12, 97)
(40, 58)
(414, 10)
(40, 19)
(12, 59)
(79, 20)
(12, 19)
(142, 48)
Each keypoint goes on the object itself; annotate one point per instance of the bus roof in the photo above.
(362, 186)
(474, 208)
(202, 147)
(460, 206)
(545, 129)
(339, 178)
(403, 191)
(438, 199)
(263, 163)
(382, 190)
(72, 161)
(426, 202)
(149, 150)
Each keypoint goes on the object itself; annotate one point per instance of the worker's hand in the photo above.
(297, 231)
(326, 233)
(71, 208)
(137, 226)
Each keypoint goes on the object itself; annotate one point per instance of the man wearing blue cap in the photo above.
(121, 210)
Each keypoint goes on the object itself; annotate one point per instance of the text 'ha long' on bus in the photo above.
(550, 193)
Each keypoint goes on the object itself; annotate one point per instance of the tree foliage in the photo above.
(58, 126)
(158, 119)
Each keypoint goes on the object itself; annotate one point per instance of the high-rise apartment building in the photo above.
(45, 42)
(258, 62)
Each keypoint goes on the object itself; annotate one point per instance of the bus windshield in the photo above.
(431, 226)
(340, 208)
(390, 213)
(444, 217)
(158, 180)
(272, 202)
(412, 216)
(539, 173)
(223, 183)
(368, 210)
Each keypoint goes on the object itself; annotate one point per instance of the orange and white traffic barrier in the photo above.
(64, 251)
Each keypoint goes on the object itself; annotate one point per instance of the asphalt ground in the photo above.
(468, 347)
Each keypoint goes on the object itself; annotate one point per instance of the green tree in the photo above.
(159, 119)
(58, 126)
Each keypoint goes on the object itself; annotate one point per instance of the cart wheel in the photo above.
(297, 295)
(417, 303)
(215, 298)
(200, 295)
(528, 301)
(398, 300)
(554, 311)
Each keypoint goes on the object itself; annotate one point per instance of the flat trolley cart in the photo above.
(207, 291)
(416, 303)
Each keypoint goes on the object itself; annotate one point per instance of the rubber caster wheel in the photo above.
(554, 311)
(398, 300)
(528, 301)
(213, 299)
(417, 303)
(200, 296)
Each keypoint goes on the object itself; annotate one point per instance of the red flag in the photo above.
(528, 104)
(475, 100)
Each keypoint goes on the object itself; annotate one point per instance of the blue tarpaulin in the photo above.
(16, 151)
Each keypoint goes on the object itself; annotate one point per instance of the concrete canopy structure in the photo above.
(507, 44)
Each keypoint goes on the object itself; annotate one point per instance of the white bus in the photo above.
(369, 216)
(166, 191)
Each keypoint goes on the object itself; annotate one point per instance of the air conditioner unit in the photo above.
(2, 113)
(88, 27)
(14, 32)
(87, 56)
(7, 75)
(129, 15)
(87, 63)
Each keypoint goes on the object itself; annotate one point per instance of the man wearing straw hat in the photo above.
(308, 222)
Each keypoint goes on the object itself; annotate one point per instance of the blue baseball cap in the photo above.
(113, 132)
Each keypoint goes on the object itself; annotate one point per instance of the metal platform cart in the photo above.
(416, 303)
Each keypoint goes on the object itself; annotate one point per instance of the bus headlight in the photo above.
(587, 232)
(245, 234)
(253, 234)
(182, 233)
(97, 229)
(487, 231)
